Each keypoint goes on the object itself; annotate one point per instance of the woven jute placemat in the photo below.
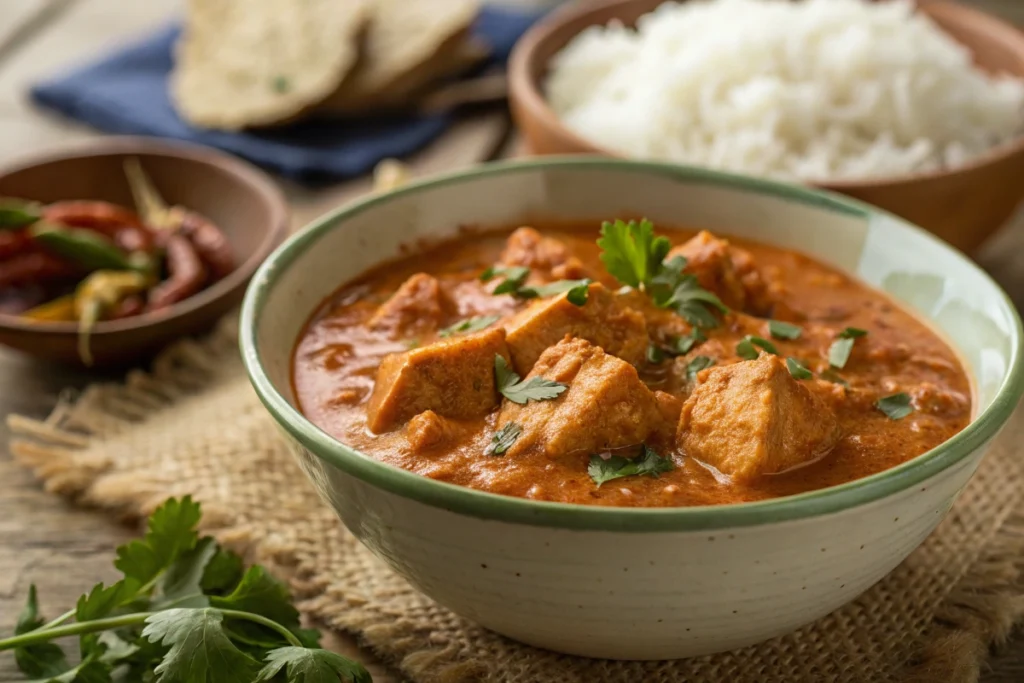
(193, 425)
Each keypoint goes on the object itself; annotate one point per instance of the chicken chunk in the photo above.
(604, 320)
(752, 418)
(546, 256)
(453, 377)
(728, 271)
(428, 431)
(418, 306)
(605, 406)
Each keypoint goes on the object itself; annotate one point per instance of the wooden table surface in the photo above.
(65, 550)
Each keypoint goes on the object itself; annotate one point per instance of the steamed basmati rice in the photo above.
(808, 90)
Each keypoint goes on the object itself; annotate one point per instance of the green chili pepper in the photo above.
(87, 249)
(96, 295)
(60, 309)
(17, 213)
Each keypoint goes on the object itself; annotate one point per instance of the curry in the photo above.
(626, 368)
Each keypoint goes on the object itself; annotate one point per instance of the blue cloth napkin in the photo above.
(126, 92)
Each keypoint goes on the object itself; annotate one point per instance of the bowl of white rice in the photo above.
(918, 109)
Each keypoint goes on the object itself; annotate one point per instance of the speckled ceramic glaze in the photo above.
(633, 583)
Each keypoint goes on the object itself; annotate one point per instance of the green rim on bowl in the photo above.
(519, 510)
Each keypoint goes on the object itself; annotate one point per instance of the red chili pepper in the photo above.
(14, 242)
(209, 242)
(116, 222)
(127, 307)
(34, 267)
(187, 274)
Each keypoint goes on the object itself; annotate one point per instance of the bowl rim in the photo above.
(490, 506)
(525, 90)
(256, 180)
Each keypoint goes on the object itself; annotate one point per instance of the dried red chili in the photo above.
(127, 307)
(118, 223)
(209, 242)
(34, 267)
(187, 274)
(14, 242)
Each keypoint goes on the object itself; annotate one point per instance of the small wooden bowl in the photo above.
(963, 206)
(240, 199)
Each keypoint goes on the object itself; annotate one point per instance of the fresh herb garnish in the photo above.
(781, 330)
(533, 389)
(697, 364)
(834, 377)
(184, 611)
(839, 351)
(514, 277)
(655, 354)
(578, 291)
(646, 463)
(798, 369)
(503, 439)
(686, 343)
(895, 407)
(631, 252)
(745, 349)
(469, 325)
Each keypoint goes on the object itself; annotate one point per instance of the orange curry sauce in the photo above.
(337, 356)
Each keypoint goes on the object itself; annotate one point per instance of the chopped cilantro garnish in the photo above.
(655, 354)
(834, 377)
(895, 407)
(697, 364)
(469, 325)
(745, 349)
(533, 389)
(686, 343)
(577, 291)
(839, 352)
(798, 369)
(648, 463)
(503, 439)
(631, 252)
(781, 330)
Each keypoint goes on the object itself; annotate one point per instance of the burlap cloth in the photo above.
(194, 426)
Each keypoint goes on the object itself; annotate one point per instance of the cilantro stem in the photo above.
(263, 621)
(44, 635)
(58, 621)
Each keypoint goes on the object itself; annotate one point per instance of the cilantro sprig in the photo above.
(514, 283)
(184, 610)
(746, 347)
(503, 439)
(636, 257)
(520, 391)
(647, 463)
(475, 324)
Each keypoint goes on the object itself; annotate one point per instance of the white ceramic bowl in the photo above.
(637, 583)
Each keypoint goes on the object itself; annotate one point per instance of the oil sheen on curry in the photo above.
(626, 366)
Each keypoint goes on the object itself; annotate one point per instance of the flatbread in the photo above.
(458, 56)
(402, 42)
(250, 63)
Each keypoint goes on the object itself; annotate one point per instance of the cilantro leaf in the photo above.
(655, 354)
(781, 330)
(834, 377)
(895, 407)
(200, 650)
(43, 660)
(798, 369)
(100, 601)
(181, 584)
(697, 364)
(222, 573)
(260, 593)
(631, 252)
(745, 349)
(533, 389)
(852, 333)
(503, 439)
(514, 276)
(89, 670)
(172, 531)
(578, 291)
(840, 350)
(469, 325)
(686, 343)
(302, 665)
(648, 463)
(695, 304)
